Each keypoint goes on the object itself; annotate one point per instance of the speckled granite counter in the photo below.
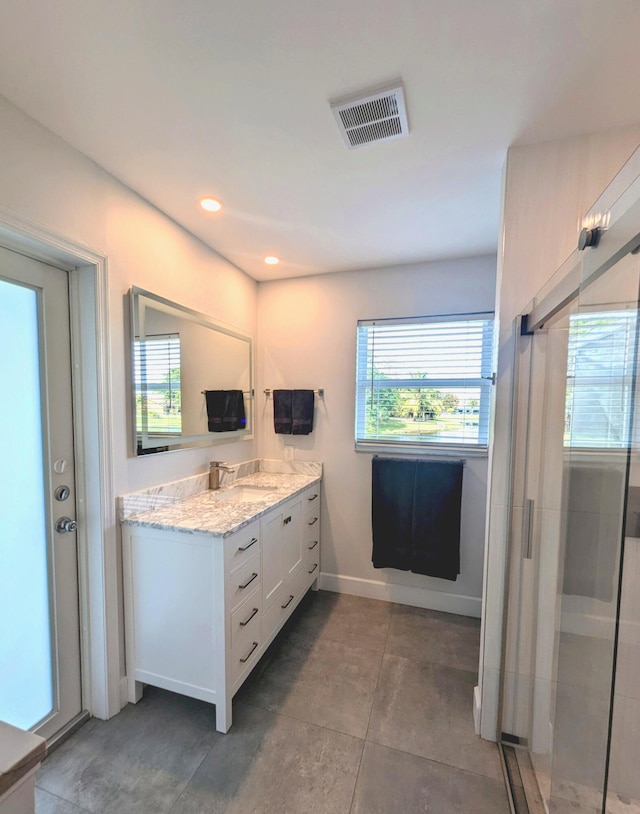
(213, 512)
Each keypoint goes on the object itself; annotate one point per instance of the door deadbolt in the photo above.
(65, 524)
(62, 493)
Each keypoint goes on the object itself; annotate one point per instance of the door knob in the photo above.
(65, 524)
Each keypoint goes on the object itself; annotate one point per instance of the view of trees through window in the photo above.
(422, 411)
(157, 372)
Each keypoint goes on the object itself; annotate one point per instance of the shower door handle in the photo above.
(527, 529)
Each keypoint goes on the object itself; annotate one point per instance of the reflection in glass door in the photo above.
(570, 688)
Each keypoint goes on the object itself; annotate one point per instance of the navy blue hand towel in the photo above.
(215, 409)
(225, 410)
(302, 412)
(283, 411)
(234, 417)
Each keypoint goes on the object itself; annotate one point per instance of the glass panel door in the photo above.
(26, 677)
(570, 691)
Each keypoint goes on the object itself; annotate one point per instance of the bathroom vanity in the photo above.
(211, 578)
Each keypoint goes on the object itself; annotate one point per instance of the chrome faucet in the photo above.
(215, 467)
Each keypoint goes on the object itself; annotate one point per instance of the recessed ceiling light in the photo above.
(271, 260)
(210, 205)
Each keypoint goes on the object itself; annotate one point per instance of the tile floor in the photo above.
(359, 707)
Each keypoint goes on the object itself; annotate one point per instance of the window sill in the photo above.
(422, 450)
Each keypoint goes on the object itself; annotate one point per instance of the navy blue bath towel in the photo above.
(415, 512)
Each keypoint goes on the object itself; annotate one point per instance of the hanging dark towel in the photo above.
(234, 414)
(283, 411)
(302, 412)
(594, 504)
(225, 410)
(415, 511)
(437, 505)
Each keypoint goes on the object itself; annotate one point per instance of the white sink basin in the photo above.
(246, 494)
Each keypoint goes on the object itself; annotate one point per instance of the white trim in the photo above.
(402, 594)
(89, 297)
(477, 707)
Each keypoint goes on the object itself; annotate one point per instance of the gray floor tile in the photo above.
(139, 761)
(272, 764)
(430, 636)
(392, 782)
(321, 682)
(342, 618)
(50, 804)
(426, 709)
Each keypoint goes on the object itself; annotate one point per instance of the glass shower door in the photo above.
(574, 717)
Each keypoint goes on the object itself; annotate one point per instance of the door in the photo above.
(40, 668)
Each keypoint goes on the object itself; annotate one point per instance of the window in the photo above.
(157, 375)
(600, 373)
(424, 381)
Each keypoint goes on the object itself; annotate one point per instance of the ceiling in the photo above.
(185, 98)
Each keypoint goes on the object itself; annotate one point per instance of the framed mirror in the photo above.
(191, 377)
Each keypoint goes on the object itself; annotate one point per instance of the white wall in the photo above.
(46, 182)
(307, 339)
(547, 189)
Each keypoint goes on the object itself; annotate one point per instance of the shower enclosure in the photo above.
(570, 695)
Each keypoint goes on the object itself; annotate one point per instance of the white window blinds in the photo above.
(424, 381)
(157, 375)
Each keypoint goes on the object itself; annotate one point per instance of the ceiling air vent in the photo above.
(372, 116)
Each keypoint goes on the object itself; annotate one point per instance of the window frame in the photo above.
(363, 383)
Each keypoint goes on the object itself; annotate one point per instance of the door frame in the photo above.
(96, 537)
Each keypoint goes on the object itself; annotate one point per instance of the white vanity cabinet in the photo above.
(200, 609)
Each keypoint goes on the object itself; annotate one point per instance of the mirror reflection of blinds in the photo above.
(156, 361)
(600, 374)
(424, 381)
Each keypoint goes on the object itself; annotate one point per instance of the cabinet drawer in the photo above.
(245, 579)
(275, 616)
(311, 564)
(246, 641)
(242, 545)
(246, 623)
(311, 500)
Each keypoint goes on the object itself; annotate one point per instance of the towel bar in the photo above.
(251, 393)
(319, 393)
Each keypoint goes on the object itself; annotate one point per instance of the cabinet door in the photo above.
(292, 537)
(273, 573)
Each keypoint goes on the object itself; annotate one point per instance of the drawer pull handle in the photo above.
(248, 582)
(313, 545)
(313, 569)
(253, 541)
(288, 602)
(250, 653)
(287, 520)
(246, 621)
(311, 522)
(312, 498)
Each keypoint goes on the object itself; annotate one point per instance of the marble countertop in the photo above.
(211, 512)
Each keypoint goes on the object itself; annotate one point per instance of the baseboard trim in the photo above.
(402, 594)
